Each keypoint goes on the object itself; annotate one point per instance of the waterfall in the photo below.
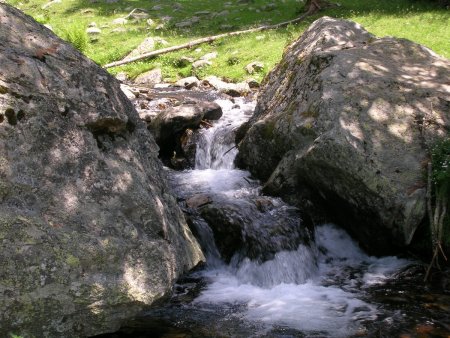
(313, 286)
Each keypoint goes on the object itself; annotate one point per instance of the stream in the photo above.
(271, 274)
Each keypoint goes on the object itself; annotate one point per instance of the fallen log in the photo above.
(312, 9)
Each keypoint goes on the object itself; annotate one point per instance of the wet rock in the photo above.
(188, 145)
(212, 111)
(198, 201)
(89, 232)
(252, 83)
(253, 229)
(340, 125)
(149, 79)
(174, 120)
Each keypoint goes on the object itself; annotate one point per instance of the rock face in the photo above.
(345, 121)
(89, 233)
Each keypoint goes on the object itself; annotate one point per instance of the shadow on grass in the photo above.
(213, 17)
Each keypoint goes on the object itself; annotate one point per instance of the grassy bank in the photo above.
(417, 20)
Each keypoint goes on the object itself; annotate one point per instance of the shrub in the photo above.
(76, 35)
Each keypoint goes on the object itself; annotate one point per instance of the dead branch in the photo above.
(311, 10)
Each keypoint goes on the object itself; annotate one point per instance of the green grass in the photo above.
(417, 20)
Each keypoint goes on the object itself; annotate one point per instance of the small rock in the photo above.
(146, 46)
(157, 8)
(150, 22)
(119, 30)
(212, 110)
(184, 61)
(93, 31)
(223, 13)
(127, 91)
(201, 63)
(233, 89)
(92, 24)
(120, 21)
(150, 78)
(138, 14)
(111, 1)
(161, 41)
(209, 56)
(166, 18)
(254, 67)
(252, 83)
(183, 24)
(188, 82)
(122, 76)
(177, 6)
(198, 201)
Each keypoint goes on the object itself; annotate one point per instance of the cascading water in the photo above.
(316, 289)
(268, 276)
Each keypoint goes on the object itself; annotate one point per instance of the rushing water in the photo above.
(323, 286)
(317, 289)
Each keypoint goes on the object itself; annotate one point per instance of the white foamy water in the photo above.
(318, 290)
(216, 147)
(325, 301)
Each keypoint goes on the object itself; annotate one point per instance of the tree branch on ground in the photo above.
(312, 6)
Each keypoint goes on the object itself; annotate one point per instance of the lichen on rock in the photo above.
(90, 234)
(344, 123)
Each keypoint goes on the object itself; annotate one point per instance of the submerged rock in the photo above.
(89, 232)
(345, 121)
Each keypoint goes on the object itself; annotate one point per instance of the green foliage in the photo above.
(440, 159)
(76, 35)
(42, 18)
(422, 21)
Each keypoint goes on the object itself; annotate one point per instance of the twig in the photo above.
(229, 150)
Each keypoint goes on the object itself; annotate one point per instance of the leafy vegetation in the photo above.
(418, 20)
(440, 159)
(438, 194)
(77, 36)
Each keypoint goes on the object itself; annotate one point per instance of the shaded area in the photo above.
(89, 233)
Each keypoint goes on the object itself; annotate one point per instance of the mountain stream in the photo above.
(279, 277)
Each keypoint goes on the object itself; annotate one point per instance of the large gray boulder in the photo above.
(89, 233)
(344, 123)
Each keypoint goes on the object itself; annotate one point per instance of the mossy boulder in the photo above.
(343, 128)
(90, 235)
